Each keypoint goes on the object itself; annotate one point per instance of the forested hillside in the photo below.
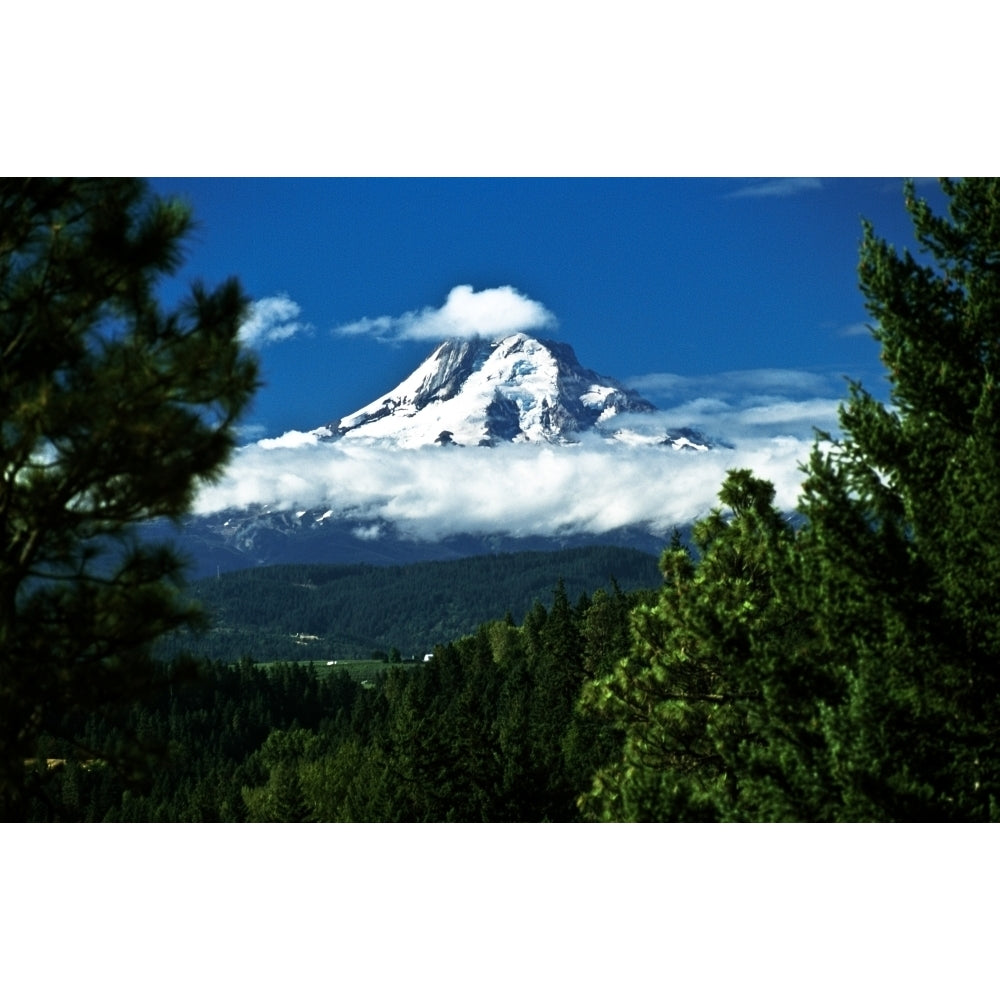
(313, 612)
(485, 730)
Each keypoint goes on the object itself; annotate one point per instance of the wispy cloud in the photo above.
(862, 328)
(777, 187)
(272, 319)
(492, 312)
(749, 406)
(735, 384)
(854, 330)
(246, 433)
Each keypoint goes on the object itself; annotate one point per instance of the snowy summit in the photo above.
(481, 392)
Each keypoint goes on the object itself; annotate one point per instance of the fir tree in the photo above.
(113, 410)
(892, 709)
(685, 709)
(851, 671)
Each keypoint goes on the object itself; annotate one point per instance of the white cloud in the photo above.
(765, 417)
(272, 319)
(246, 433)
(778, 187)
(737, 384)
(855, 330)
(743, 405)
(294, 439)
(493, 312)
(431, 493)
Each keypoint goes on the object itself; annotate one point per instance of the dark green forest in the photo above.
(316, 612)
(486, 730)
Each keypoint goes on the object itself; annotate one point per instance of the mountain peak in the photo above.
(481, 392)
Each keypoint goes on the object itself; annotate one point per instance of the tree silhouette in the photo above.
(113, 411)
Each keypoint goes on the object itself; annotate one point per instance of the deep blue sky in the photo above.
(690, 277)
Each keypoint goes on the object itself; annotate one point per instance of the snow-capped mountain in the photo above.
(482, 392)
(330, 494)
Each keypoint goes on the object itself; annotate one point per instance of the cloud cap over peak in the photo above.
(492, 312)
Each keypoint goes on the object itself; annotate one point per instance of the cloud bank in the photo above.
(762, 420)
(514, 489)
(493, 312)
(270, 320)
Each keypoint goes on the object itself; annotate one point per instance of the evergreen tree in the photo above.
(851, 671)
(281, 799)
(591, 741)
(892, 709)
(112, 411)
(679, 697)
